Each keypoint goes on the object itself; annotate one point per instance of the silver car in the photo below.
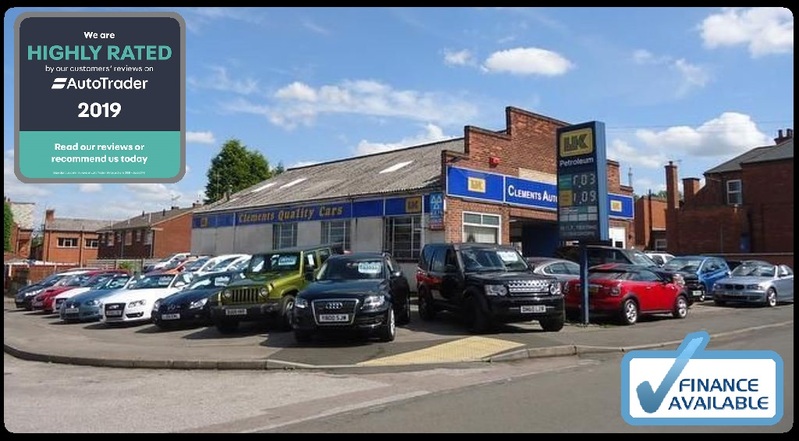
(755, 282)
(562, 269)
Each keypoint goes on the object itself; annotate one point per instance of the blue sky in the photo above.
(693, 85)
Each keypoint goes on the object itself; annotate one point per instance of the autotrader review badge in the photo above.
(693, 386)
(100, 97)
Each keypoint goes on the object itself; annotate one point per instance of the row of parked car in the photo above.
(322, 289)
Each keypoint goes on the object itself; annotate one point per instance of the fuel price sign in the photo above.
(100, 97)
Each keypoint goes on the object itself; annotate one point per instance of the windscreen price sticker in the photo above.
(100, 97)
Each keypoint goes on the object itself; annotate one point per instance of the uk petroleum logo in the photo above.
(102, 83)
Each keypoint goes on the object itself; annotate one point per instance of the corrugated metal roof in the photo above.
(757, 154)
(358, 176)
(149, 219)
(67, 224)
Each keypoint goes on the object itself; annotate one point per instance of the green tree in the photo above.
(8, 225)
(279, 169)
(233, 169)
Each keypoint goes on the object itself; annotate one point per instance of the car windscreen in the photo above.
(154, 281)
(112, 283)
(753, 271)
(686, 264)
(484, 260)
(274, 262)
(351, 269)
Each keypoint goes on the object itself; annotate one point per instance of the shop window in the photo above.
(90, 243)
(67, 242)
(734, 194)
(403, 237)
(481, 228)
(336, 233)
(284, 236)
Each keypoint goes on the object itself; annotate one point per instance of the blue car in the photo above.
(755, 282)
(699, 272)
(190, 306)
(85, 307)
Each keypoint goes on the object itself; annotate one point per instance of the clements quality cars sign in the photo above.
(696, 387)
(100, 97)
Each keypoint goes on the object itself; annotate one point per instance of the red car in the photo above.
(46, 300)
(628, 291)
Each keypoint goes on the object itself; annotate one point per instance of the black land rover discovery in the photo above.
(488, 284)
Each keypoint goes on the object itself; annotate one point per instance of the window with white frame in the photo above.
(403, 237)
(90, 243)
(138, 236)
(734, 193)
(148, 237)
(660, 244)
(109, 239)
(67, 242)
(128, 238)
(481, 228)
(284, 236)
(336, 233)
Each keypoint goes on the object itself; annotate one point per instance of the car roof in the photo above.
(620, 267)
(360, 255)
(297, 249)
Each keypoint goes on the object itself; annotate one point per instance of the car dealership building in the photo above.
(488, 186)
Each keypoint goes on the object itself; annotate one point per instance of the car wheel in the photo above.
(476, 318)
(771, 297)
(389, 330)
(302, 336)
(426, 310)
(552, 324)
(680, 308)
(226, 326)
(404, 316)
(286, 309)
(629, 312)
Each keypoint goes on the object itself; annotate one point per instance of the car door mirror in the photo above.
(396, 274)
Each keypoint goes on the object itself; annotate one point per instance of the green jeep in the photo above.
(272, 281)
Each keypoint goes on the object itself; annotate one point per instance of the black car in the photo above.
(487, 284)
(191, 305)
(364, 292)
(599, 254)
(25, 295)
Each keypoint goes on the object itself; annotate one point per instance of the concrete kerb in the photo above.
(270, 364)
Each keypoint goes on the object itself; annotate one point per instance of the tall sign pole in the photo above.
(583, 192)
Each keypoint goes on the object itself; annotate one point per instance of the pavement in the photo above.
(419, 345)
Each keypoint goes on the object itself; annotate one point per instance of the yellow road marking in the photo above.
(463, 350)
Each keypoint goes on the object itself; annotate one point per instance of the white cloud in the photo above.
(728, 135)
(148, 190)
(89, 188)
(691, 75)
(458, 58)
(298, 104)
(431, 133)
(620, 150)
(764, 30)
(13, 187)
(197, 18)
(643, 56)
(528, 61)
(200, 138)
(220, 80)
(314, 27)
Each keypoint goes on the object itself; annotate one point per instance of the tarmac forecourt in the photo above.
(418, 346)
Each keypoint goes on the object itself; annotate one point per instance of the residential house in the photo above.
(69, 240)
(22, 231)
(744, 210)
(650, 223)
(157, 234)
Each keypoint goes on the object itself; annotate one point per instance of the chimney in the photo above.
(174, 207)
(690, 186)
(196, 204)
(672, 190)
(49, 215)
(163, 213)
(780, 138)
(142, 213)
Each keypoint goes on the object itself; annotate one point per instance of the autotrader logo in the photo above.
(693, 386)
(59, 83)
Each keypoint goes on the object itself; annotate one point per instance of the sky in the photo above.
(696, 86)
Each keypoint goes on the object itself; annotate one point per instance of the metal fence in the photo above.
(133, 265)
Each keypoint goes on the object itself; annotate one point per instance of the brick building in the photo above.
(157, 234)
(22, 231)
(487, 186)
(650, 223)
(69, 240)
(744, 210)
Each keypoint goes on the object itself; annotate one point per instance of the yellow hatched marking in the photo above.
(466, 349)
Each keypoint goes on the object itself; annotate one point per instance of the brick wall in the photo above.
(769, 198)
(174, 236)
(650, 213)
(78, 255)
(528, 142)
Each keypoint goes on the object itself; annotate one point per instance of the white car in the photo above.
(218, 263)
(659, 257)
(135, 304)
(166, 262)
(98, 279)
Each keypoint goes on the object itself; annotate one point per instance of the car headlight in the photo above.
(554, 288)
(264, 292)
(93, 302)
(496, 290)
(33, 293)
(226, 294)
(198, 303)
(716, 286)
(300, 302)
(136, 303)
(755, 287)
(156, 304)
(373, 302)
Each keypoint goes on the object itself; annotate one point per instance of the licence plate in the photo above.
(240, 311)
(334, 318)
(71, 310)
(170, 317)
(533, 309)
(113, 313)
(697, 292)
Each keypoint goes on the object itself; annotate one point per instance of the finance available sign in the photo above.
(100, 97)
